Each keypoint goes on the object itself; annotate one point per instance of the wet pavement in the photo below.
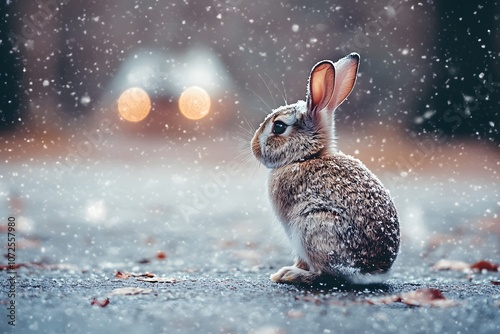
(204, 235)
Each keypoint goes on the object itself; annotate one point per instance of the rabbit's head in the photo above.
(305, 129)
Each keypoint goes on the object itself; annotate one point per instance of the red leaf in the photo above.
(426, 297)
(495, 282)
(121, 275)
(484, 265)
(103, 303)
(161, 255)
(12, 266)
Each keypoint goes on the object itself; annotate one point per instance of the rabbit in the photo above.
(340, 219)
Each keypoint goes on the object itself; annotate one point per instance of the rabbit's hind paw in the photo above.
(293, 275)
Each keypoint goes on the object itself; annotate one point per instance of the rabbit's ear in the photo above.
(346, 70)
(320, 88)
(331, 83)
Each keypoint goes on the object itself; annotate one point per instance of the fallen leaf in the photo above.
(103, 303)
(464, 266)
(421, 297)
(12, 266)
(426, 297)
(495, 282)
(144, 261)
(484, 266)
(157, 280)
(451, 265)
(125, 275)
(130, 291)
(121, 275)
(161, 255)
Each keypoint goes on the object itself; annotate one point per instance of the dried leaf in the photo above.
(427, 297)
(103, 303)
(463, 266)
(161, 255)
(125, 275)
(14, 266)
(421, 297)
(130, 291)
(484, 266)
(451, 265)
(121, 275)
(157, 280)
(495, 282)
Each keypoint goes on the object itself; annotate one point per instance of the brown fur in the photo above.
(339, 217)
(352, 223)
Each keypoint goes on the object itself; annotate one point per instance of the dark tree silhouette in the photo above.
(10, 74)
(464, 98)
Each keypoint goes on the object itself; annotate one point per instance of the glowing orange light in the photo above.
(134, 104)
(194, 103)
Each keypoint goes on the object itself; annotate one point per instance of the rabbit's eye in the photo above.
(279, 127)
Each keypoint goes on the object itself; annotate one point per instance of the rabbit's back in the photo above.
(343, 213)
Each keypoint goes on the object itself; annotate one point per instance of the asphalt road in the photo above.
(208, 234)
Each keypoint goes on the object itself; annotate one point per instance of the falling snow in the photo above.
(94, 193)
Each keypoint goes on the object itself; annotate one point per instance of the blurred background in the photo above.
(93, 129)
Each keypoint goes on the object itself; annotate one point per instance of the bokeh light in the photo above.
(134, 104)
(194, 103)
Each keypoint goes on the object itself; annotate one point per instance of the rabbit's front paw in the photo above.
(292, 275)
